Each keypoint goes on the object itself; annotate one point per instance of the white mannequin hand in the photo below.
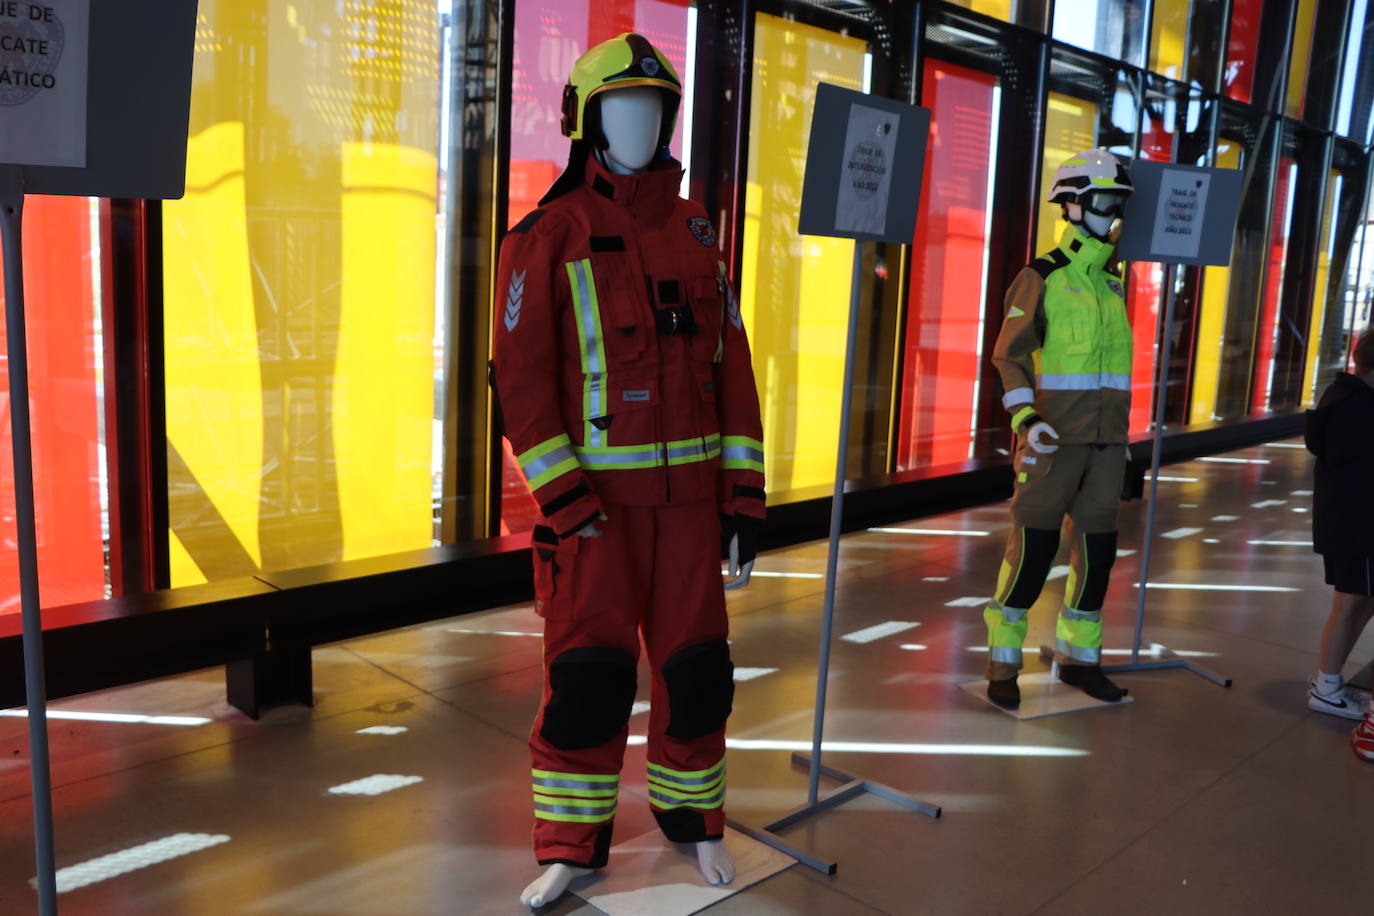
(1038, 434)
(739, 575)
(590, 530)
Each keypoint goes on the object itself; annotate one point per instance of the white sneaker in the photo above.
(1347, 702)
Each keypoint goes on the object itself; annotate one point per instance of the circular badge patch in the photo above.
(29, 54)
(703, 230)
(1116, 288)
(650, 66)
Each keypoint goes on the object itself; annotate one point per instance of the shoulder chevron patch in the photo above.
(515, 298)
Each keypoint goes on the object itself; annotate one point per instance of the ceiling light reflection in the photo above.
(1221, 588)
(876, 747)
(121, 863)
(1280, 543)
(113, 717)
(869, 634)
(948, 532)
(1235, 460)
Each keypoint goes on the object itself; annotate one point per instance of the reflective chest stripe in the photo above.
(1083, 381)
(591, 346)
(650, 455)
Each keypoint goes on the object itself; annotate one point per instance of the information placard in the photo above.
(863, 167)
(1181, 214)
(43, 57)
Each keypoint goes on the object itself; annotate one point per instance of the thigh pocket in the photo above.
(1031, 466)
(554, 568)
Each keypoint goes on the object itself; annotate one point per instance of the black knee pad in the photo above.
(1038, 549)
(1099, 553)
(701, 689)
(593, 688)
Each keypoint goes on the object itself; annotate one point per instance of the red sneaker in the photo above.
(1362, 740)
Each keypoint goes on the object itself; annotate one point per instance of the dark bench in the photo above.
(262, 628)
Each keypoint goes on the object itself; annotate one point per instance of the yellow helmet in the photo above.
(623, 61)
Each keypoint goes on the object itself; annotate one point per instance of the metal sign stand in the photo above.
(1169, 659)
(12, 225)
(853, 786)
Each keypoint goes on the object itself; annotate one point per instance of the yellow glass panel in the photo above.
(794, 290)
(997, 9)
(299, 277)
(1070, 127)
(1302, 54)
(1211, 325)
(1320, 289)
(1168, 36)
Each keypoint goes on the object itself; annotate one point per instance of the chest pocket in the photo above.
(1073, 322)
(608, 309)
(708, 309)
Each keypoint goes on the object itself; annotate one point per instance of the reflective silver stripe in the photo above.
(593, 355)
(706, 801)
(548, 461)
(1011, 614)
(1005, 654)
(609, 788)
(1018, 396)
(668, 776)
(694, 450)
(1090, 616)
(741, 453)
(584, 810)
(648, 454)
(1079, 653)
(1084, 381)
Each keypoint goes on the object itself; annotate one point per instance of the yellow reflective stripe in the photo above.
(552, 814)
(576, 784)
(583, 805)
(579, 777)
(686, 777)
(741, 452)
(649, 455)
(1021, 414)
(670, 791)
(548, 461)
(591, 346)
(661, 799)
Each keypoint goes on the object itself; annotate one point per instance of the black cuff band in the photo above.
(564, 500)
(580, 525)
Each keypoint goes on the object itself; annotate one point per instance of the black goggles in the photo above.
(1104, 203)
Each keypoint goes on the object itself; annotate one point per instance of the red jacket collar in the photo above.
(656, 186)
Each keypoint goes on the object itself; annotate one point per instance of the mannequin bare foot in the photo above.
(715, 861)
(549, 886)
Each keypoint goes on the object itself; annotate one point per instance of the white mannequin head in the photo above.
(632, 120)
(1105, 226)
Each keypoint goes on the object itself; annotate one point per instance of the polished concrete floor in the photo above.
(1194, 799)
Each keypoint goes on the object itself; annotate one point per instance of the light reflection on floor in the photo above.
(1169, 782)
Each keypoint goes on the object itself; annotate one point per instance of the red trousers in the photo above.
(654, 571)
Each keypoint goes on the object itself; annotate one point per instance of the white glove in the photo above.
(739, 575)
(590, 530)
(1038, 433)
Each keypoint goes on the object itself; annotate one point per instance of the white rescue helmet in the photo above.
(1098, 182)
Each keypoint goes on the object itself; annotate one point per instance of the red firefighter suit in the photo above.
(623, 375)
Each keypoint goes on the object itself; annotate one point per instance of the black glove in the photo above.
(746, 527)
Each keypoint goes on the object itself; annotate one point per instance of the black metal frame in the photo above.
(263, 626)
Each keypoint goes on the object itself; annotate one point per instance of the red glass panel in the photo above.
(944, 321)
(1242, 49)
(1273, 285)
(60, 315)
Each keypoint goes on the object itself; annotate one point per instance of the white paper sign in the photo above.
(43, 58)
(1179, 218)
(865, 180)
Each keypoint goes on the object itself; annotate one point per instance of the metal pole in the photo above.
(11, 223)
(836, 510)
(1164, 323)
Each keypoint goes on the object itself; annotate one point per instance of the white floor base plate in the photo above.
(1043, 694)
(648, 876)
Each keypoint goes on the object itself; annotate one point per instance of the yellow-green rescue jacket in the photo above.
(1064, 352)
